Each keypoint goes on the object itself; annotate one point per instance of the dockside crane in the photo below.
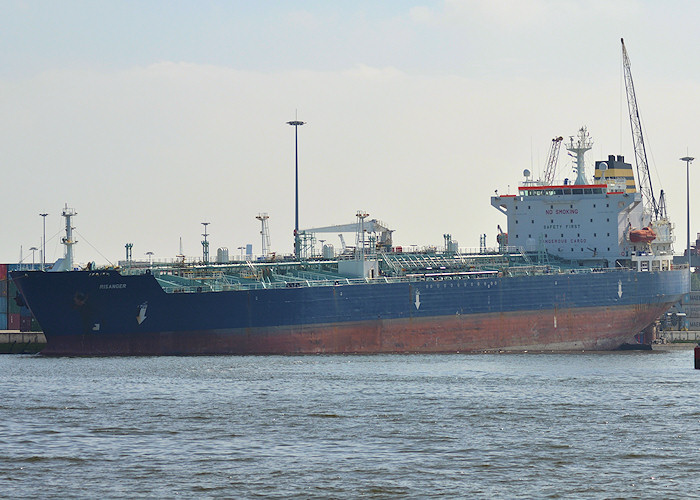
(551, 166)
(640, 154)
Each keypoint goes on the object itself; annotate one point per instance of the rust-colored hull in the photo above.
(573, 329)
(105, 313)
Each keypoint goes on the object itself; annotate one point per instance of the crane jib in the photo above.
(640, 154)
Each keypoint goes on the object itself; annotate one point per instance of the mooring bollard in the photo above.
(697, 357)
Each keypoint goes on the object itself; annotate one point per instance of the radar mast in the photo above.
(579, 147)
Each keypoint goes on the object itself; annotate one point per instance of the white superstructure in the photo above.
(586, 224)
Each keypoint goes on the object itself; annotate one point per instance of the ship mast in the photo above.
(360, 239)
(205, 244)
(640, 153)
(264, 232)
(582, 144)
(68, 240)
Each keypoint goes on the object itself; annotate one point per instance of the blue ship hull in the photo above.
(106, 313)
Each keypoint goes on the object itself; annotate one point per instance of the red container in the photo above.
(3, 280)
(13, 321)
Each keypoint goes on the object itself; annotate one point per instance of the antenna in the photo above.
(603, 167)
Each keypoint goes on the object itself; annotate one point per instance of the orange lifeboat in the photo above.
(644, 235)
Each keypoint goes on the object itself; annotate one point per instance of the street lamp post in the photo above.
(688, 160)
(296, 124)
(43, 244)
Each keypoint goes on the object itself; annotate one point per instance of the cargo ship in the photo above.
(582, 266)
(569, 274)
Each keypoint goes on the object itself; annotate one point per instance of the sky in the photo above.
(149, 118)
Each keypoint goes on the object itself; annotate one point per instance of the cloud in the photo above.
(489, 14)
(147, 154)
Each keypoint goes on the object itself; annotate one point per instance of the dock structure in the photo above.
(683, 336)
(16, 342)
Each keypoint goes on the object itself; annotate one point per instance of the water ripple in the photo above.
(480, 426)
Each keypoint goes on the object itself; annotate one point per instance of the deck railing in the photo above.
(222, 283)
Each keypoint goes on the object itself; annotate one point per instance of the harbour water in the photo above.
(586, 425)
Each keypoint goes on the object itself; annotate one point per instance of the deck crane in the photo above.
(551, 166)
(384, 239)
(650, 205)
